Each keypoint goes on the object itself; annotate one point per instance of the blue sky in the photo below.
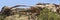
(27, 2)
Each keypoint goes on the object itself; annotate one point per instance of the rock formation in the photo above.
(13, 13)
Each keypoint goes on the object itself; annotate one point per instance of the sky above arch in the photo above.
(26, 2)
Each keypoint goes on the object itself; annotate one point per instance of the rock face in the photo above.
(16, 17)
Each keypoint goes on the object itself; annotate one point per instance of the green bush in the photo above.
(46, 14)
